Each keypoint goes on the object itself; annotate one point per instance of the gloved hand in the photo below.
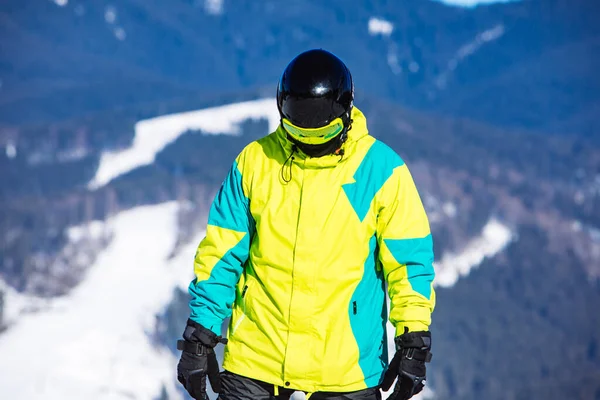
(408, 365)
(198, 360)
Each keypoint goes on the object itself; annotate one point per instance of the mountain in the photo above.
(116, 115)
(536, 60)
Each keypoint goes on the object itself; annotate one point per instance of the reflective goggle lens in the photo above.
(314, 135)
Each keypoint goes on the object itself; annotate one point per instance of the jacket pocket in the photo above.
(240, 311)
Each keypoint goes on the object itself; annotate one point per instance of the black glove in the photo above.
(408, 364)
(198, 360)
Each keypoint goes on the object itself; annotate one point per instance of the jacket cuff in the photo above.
(197, 333)
(413, 326)
(209, 323)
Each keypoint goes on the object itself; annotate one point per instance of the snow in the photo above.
(94, 343)
(213, 7)
(472, 3)
(379, 26)
(449, 209)
(492, 34)
(594, 234)
(110, 14)
(576, 226)
(493, 239)
(94, 230)
(383, 28)
(15, 304)
(72, 154)
(11, 150)
(152, 135)
(120, 33)
(481, 38)
(469, 49)
(579, 197)
(392, 59)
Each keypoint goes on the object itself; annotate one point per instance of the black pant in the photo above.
(237, 387)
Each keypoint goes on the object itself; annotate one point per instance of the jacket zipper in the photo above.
(354, 307)
(302, 173)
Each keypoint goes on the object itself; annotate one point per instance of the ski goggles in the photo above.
(314, 135)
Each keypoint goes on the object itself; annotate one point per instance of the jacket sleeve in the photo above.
(221, 255)
(406, 252)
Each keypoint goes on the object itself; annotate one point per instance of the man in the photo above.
(310, 224)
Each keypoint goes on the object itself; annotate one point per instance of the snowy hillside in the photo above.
(96, 343)
(151, 136)
(493, 239)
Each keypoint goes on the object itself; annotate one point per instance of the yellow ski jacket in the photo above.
(297, 252)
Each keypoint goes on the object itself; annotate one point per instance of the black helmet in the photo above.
(315, 97)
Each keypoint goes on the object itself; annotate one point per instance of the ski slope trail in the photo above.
(153, 135)
(96, 342)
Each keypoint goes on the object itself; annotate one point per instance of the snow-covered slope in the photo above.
(14, 304)
(472, 3)
(493, 239)
(152, 135)
(95, 343)
(467, 50)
